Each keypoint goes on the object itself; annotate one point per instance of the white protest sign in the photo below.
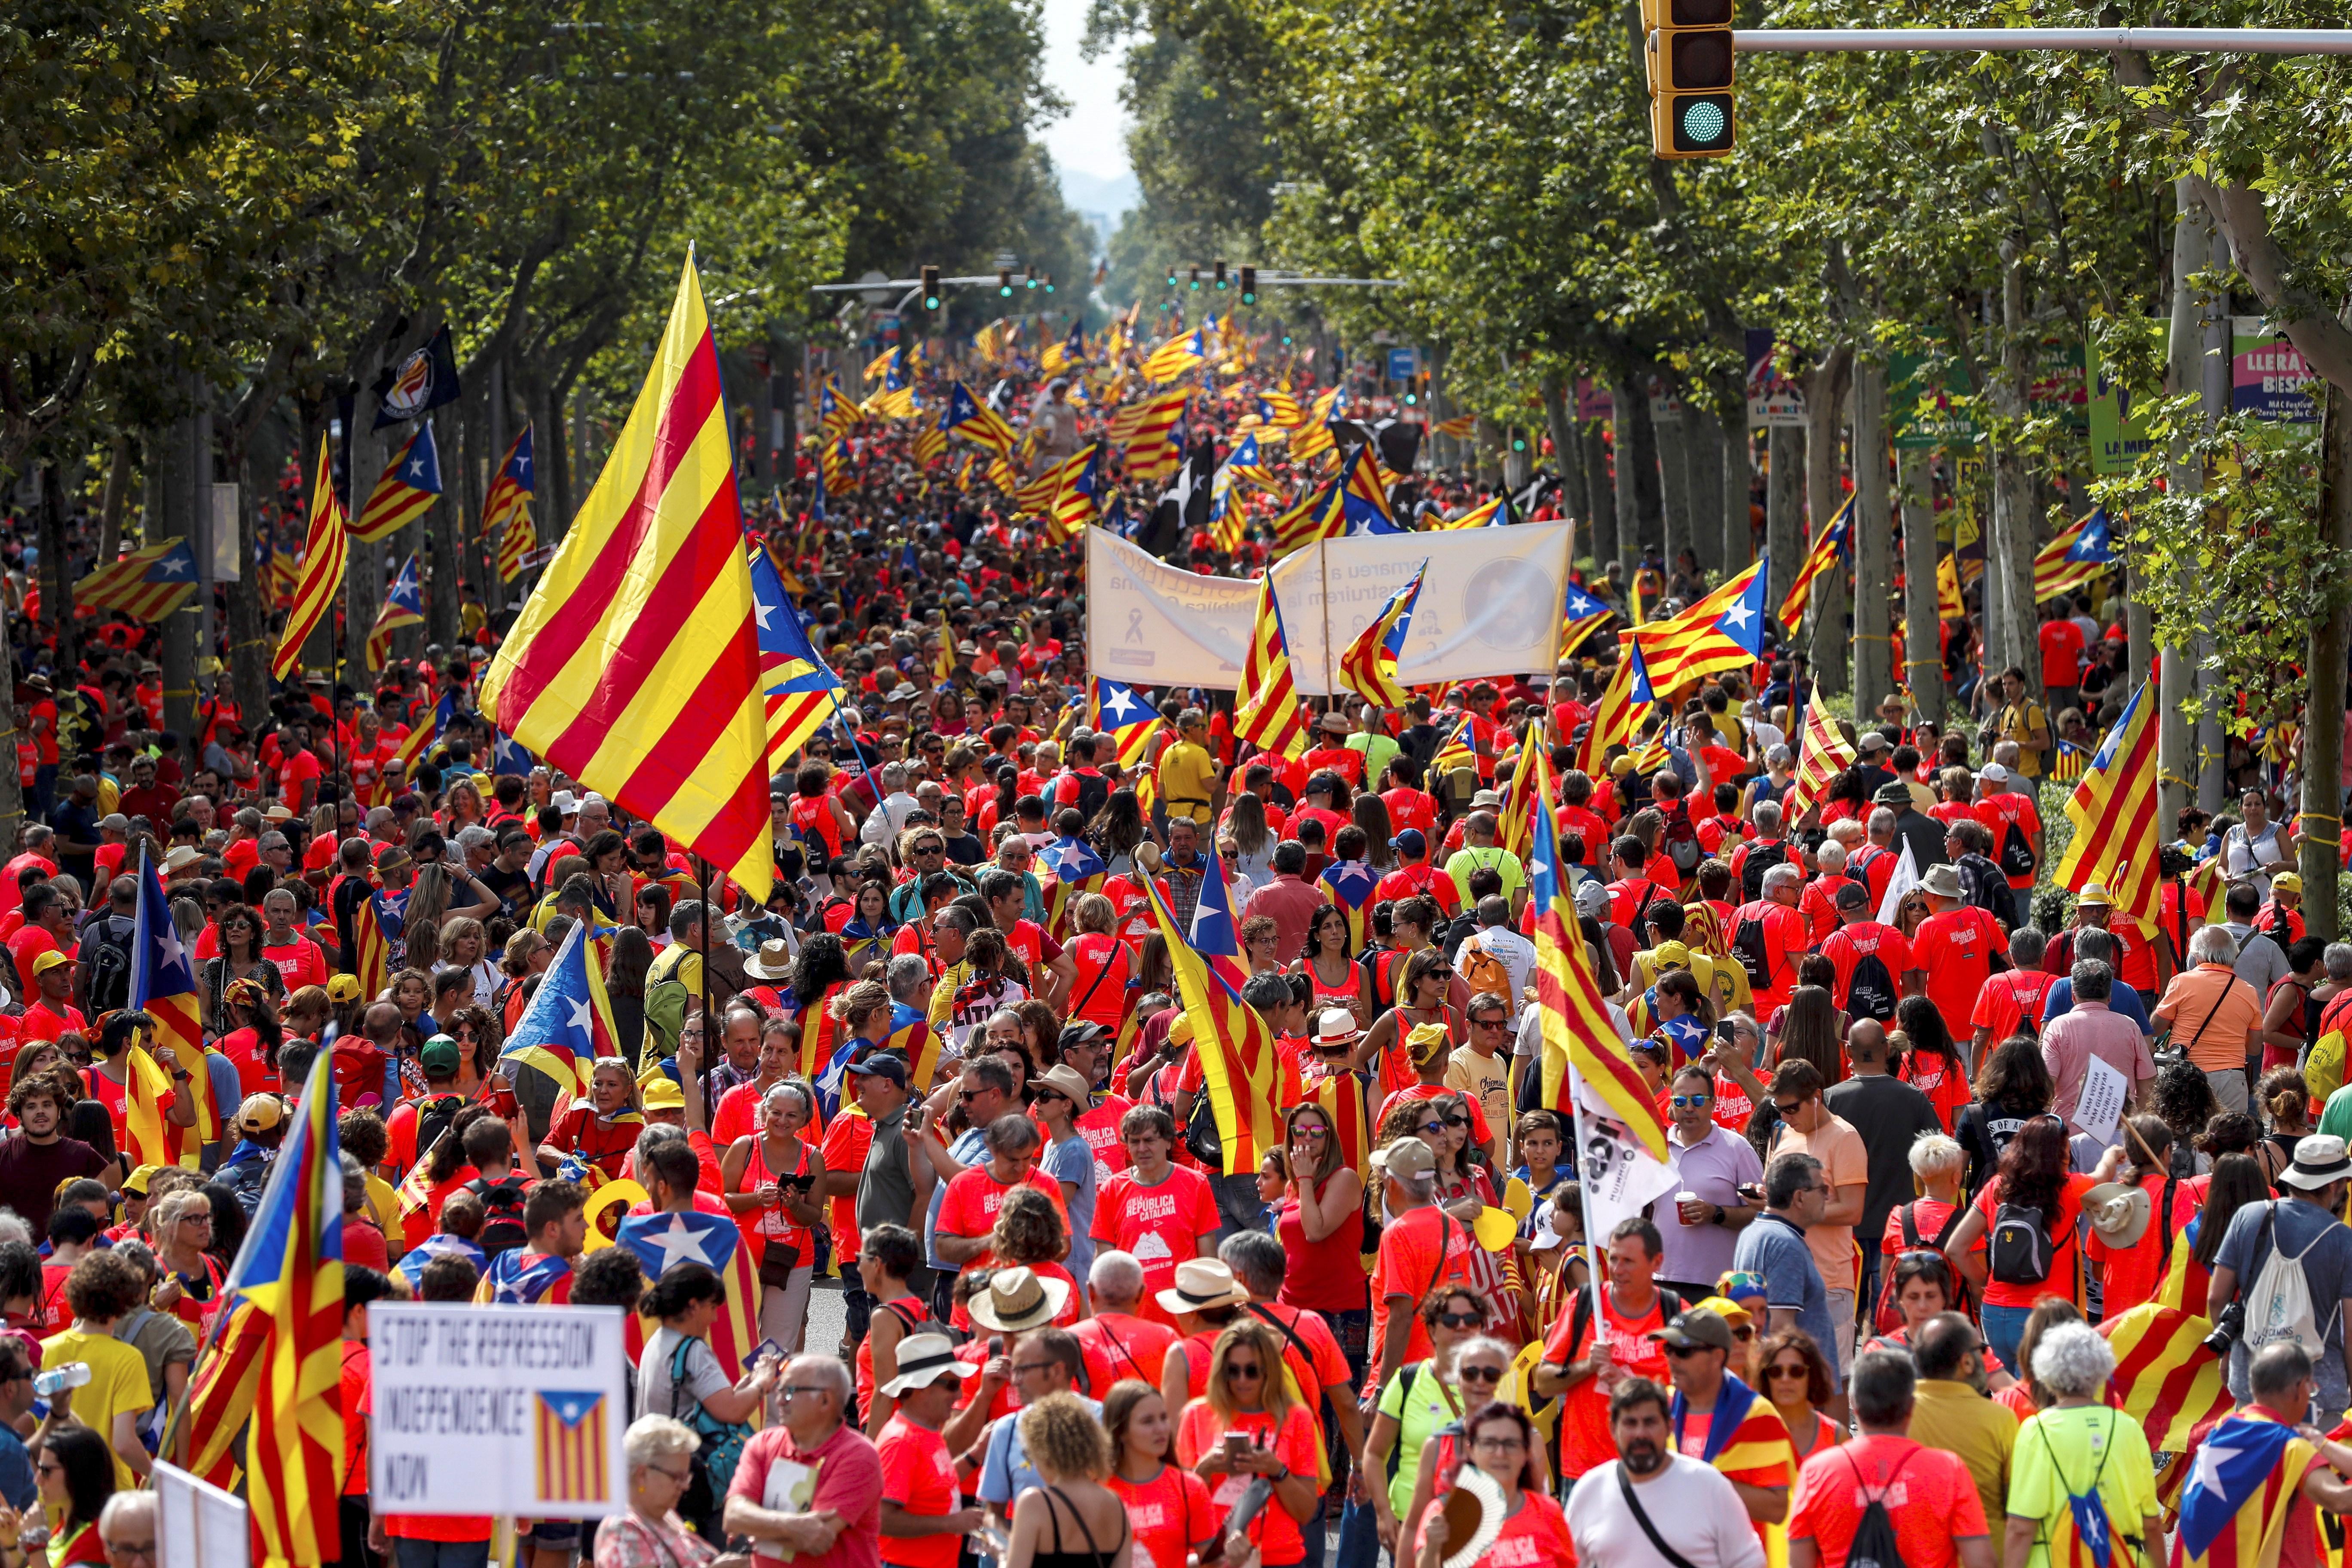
(1489, 606)
(198, 1525)
(2102, 1105)
(499, 1410)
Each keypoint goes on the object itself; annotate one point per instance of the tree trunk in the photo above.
(248, 672)
(1871, 537)
(2009, 551)
(187, 493)
(1600, 499)
(2331, 642)
(1564, 450)
(1703, 448)
(2175, 680)
(555, 445)
(1647, 497)
(471, 472)
(443, 603)
(115, 500)
(1824, 418)
(1784, 504)
(1923, 660)
(1673, 435)
(2215, 693)
(11, 792)
(1625, 454)
(1738, 491)
(57, 571)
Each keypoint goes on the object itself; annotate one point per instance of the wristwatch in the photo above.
(1721, 1210)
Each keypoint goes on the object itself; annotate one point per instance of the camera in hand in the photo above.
(2228, 1329)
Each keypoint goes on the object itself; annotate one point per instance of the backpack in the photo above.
(1093, 794)
(434, 1115)
(2279, 1305)
(1983, 886)
(106, 963)
(1871, 993)
(2016, 851)
(502, 1225)
(1481, 971)
(1763, 854)
(1748, 946)
(2020, 1249)
(1682, 840)
(2090, 1511)
(1875, 1544)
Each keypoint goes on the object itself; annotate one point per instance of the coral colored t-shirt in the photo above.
(1170, 1514)
(973, 1197)
(919, 1476)
(1161, 1226)
(1932, 1501)
(1273, 1531)
(2063, 1279)
(1955, 948)
(1425, 1248)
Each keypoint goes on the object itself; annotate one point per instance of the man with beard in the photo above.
(1655, 1500)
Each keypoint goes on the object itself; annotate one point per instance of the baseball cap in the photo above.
(1405, 1157)
(342, 988)
(439, 1056)
(259, 1113)
(1852, 895)
(1410, 842)
(50, 959)
(661, 1092)
(1993, 773)
(1694, 1330)
(882, 1064)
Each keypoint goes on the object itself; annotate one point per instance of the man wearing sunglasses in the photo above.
(1717, 1417)
(1710, 1165)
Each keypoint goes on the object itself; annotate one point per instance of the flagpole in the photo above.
(1591, 1249)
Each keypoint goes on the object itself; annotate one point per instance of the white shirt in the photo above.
(888, 820)
(1516, 952)
(1691, 1505)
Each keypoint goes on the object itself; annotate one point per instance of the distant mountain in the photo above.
(1101, 202)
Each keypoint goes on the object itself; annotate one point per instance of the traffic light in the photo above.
(931, 295)
(1196, 279)
(1691, 67)
(1249, 284)
(1221, 276)
(1004, 281)
(1049, 283)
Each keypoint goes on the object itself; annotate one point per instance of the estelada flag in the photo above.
(1825, 553)
(410, 483)
(2234, 1509)
(1270, 717)
(568, 1025)
(146, 585)
(1369, 666)
(163, 986)
(664, 1240)
(635, 665)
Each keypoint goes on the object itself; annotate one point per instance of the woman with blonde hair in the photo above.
(1106, 966)
(650, 1534)
(427, 907)
(466, 944)
(1071, 1518)
(1247, 1425)
(602, 1129)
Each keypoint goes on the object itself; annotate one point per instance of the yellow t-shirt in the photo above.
(118, 1383)
(1187, 780)
(384, 1207)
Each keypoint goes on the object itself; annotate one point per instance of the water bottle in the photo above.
(49, 1382)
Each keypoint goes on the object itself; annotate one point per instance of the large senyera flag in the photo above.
(1826, 754)
(1269, 716)
(2113, 812)
(635, 666)
(325, 555)
(1577, 1029)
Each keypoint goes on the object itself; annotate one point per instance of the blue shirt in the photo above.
(16, 1483)
(1073, 1161)
(970, 1149)
(1773, 1248)
(2121, 998)
(1005, 1472)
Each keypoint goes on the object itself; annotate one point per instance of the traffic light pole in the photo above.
(1979, 40)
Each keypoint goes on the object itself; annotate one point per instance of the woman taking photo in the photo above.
(241, 959)
(1499, 1442)
(1798, 1383)
(1247, 1425)
(770, 1179)
(1329, 964)
(1071, 1516)
(679, 1371)
(2035, 1172)
(1319, 1222)
(1170, 1506)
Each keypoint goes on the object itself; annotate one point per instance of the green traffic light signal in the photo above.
(1410, 399)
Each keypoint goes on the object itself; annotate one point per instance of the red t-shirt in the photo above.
(1955, 948)
(849, 1482)
(2061, 1280)
(1426, 1248)
(2061, 652)
(1999, 812)
(1846, 946)
(1941, 1079)
(1160, 1225)
(1170, 1513)
(1933, 1503)
(970, 1207)
(1584, 1440)
(919, 1476)
(2011, 1002)
(1786, 936)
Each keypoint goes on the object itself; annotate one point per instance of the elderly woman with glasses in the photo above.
(1481, 1372)
(660, 1452)
(1421, 1397)
(182, 1226)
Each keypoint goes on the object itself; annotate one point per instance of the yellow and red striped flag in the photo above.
(1949, 605)
(1461, 425)
(517, 541)
(409, 484)
(1140, 430)
(145, 1128)
(635, 665)
(146, 585)
(1314, 435)
(163, 986)
(404, 605)
(2169, 1382)
(1618, 715)
(324, 554)
(1177, 355)
(966, 416)
(279, 1361)
(1514, 823)
(1577, 1029)
(2234, 1508)
(2078, 555)
(1270, 718)
(370, 958)
(1341, 1096)
(1320, 514)
(513, 485)
(2114, 810)
(1369, 668)
(1824, 555)
(1722, 631)
(1237, 1058)
(1824, 754)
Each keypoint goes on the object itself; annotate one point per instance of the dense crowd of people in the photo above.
(1927, 1139)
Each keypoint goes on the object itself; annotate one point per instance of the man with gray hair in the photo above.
(126, 1525)
(1129, 1345)
(2215, 1016)
(1768, 935)
(845, 1506)
(2092, 1030)
(2088, 942)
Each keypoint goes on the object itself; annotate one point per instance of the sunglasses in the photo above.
(1478, 1375)
(1457, 1121)
(1315, 1134)
(1684, 1352)
(1786, 1107)
(1686, 1102)
(1488, 1023)
(1431, 1127)
(1461, 1319)
(1240, 1371)
(1789, 1372)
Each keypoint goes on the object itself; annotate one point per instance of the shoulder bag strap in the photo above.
(1911, 1226)
(1634, 1506)
(1444, 1245)
(1078, 1007)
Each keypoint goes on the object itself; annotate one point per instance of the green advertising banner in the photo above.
(1924, 417)
(2118, 428)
